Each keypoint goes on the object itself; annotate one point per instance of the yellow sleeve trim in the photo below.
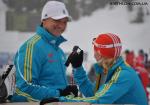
(28, 58)
(29, 98)
(103, 91)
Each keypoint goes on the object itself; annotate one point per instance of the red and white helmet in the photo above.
(108, 44)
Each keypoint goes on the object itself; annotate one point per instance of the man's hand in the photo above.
(69, 90)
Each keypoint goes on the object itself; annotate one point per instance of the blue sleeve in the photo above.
(109, 92)
(28, 62)
(85, 85)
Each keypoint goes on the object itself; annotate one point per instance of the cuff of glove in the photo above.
(79, 71)
(78, 68)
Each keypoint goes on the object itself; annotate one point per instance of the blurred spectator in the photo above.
(129, 57)
(145, 59)
(147, 66)
(140, 58)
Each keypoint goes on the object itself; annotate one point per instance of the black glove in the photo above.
(49, 100)
(76, 59)
(74, 90)
(3, 93)
(70, 89)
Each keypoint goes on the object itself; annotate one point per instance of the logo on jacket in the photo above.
(50, 55)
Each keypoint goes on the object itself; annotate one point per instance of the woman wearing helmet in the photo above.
(117, 82)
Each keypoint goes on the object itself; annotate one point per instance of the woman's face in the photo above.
(103, 61)
(97, 55)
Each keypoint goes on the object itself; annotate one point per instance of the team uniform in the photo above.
(122, 86)
(40, 69)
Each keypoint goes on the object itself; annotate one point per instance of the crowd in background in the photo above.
(141, 64)
(140, 60)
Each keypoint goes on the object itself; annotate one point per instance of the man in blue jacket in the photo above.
(117, 82)
(39, 62)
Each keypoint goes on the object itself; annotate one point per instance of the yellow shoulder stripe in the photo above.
(28, 58)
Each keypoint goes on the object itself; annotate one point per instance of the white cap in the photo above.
(54, 9)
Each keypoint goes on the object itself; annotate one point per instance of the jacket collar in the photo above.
(114, 67)
(49, 37)
(99, 69)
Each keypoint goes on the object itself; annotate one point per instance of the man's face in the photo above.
(56, 27)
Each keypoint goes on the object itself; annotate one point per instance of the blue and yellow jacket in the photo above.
(122, 86)
(40, 69)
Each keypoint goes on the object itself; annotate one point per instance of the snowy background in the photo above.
(117, 20)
